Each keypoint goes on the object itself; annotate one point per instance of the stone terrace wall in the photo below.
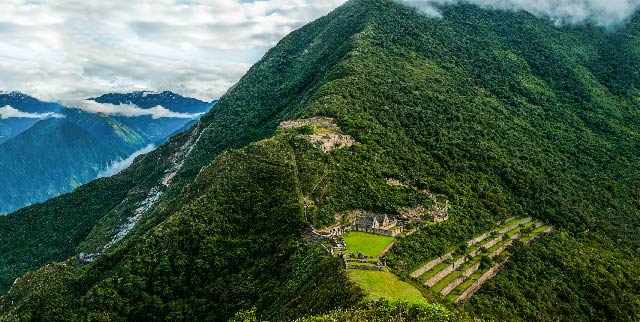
(451, 286)
(386, 250)
(492, 242)
(428, 266)
(468, 272)
(516, 224)
(478, 283)
(478, 239)
(471, 270)
(446, 271)
(500, 249)
(365, 267)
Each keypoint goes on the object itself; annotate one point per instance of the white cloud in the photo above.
(74, 49)
(64, 50)
(8, 112)
(117, 166)
(130, 110)
(599, 12)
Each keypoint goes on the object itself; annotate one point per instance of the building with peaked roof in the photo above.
(377, 224)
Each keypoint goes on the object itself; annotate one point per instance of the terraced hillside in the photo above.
(458, 274)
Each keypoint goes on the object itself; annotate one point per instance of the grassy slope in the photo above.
(383, 284)
(367, 244)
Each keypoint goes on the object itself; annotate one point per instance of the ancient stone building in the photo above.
(377, 224)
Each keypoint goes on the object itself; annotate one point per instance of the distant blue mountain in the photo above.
(10, 128)
(43, 158)
(155, 130)
(27, 103)
(51, 158)
(169, 100)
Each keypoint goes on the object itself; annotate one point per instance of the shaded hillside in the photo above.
(230, 126)
(146, 100)
(501, 113)
(69, 157)
(11, 127)
(118, 137)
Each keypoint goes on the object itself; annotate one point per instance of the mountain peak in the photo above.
(148, 99)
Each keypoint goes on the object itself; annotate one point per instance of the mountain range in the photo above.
(375, 108)
(50, 149)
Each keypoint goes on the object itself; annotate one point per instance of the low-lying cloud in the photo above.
(130, 110)
(117, 166)
(561, 12)
(8, 112)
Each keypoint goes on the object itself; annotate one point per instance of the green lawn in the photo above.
(383, 284)
(367, 244)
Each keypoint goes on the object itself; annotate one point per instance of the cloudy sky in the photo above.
(67, 50)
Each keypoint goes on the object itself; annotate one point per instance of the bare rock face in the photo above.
(326, 134)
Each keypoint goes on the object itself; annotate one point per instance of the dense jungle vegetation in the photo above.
(501, 113)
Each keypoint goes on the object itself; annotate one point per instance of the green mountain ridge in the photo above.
(69, 157)
(117, 136)
(502, 113)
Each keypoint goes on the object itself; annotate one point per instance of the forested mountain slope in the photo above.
(41, 162)
(501, 113)
(11, 127)
(36, 169)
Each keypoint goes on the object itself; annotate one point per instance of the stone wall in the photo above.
(365, 267)
(516, 224)
(548, 230)
(471, 270)
(492, 242)
(441, 274)
(451, 286)
(446, 271)
(386, 250)
(478, 283)
(468, 272)
(322, 121)
(391, 232)
(477, 239)
(500, 249)
(428, 266)
(384, 232)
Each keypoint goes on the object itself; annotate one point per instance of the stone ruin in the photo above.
(330, 142)
(319, 121)
(361, 262)
(326, 142)
(379, 224)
